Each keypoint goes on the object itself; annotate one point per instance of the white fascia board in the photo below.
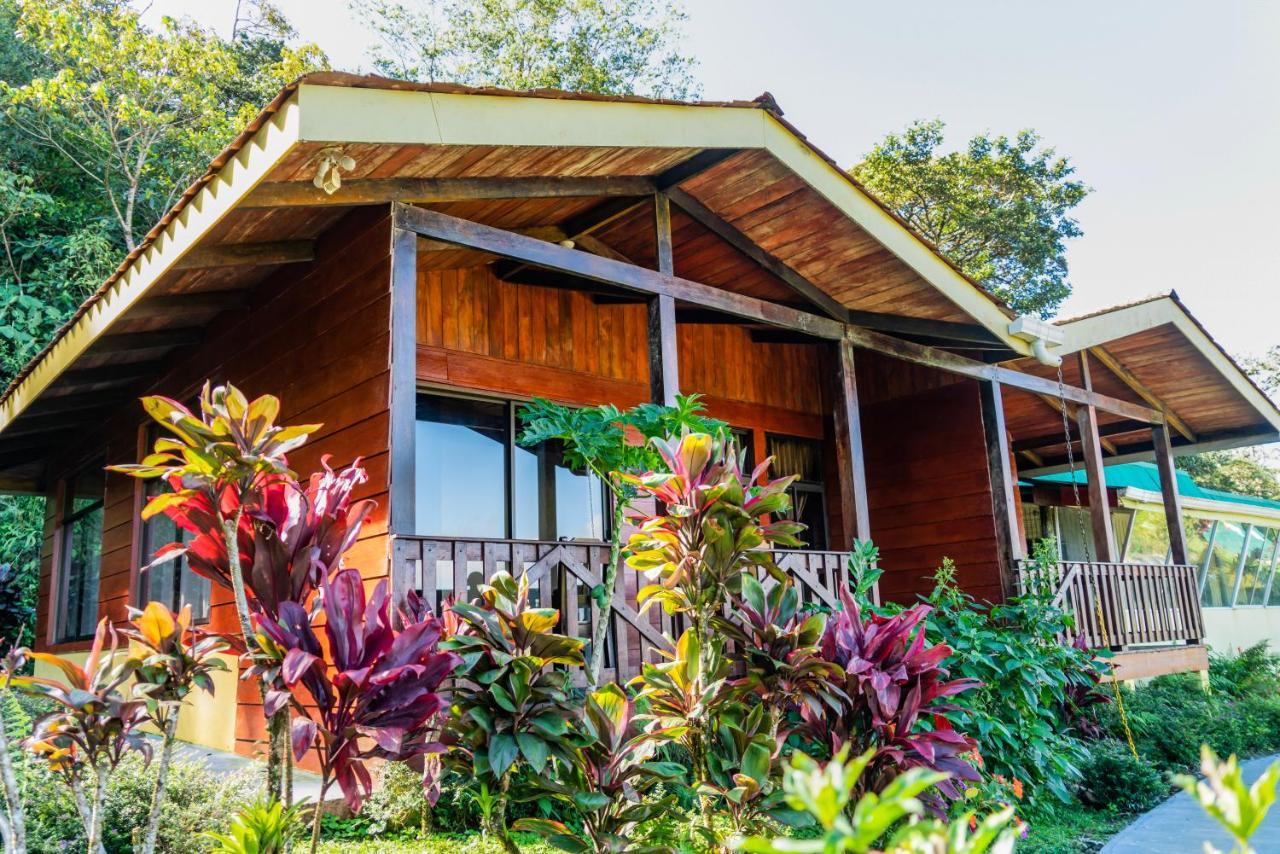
(1144, 499)
(336, 114)
(239, 175)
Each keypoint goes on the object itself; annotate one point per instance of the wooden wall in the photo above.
(314, 335)
(927, 480)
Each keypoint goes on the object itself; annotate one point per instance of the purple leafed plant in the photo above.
(897, 690)
(375, 692)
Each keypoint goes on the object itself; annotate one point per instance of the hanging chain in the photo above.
(1088, 553)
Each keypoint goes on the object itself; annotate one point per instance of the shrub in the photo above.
(1113, 779)
(1251, 671)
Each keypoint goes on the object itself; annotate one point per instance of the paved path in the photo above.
(1179, 825)
(305, 784)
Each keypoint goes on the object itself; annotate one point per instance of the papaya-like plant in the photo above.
(897, 695)
(369, 681)
(611, 766)
(94, 725)
(512, 701)
(176, 659)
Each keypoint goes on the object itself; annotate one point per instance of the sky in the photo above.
(1169, 110)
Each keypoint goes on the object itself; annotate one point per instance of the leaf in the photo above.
(534, 749)
(503, 751)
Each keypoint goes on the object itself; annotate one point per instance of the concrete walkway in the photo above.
(306, 785)
(1179, 825)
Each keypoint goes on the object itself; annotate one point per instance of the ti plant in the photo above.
(610, 768)
(826, 792)
(177, 659)
(894, 685)
(595, 438)
(373, 682)
(743, 779)
(1238, 807)
(94, 725)
(511, 702)
(778, 647)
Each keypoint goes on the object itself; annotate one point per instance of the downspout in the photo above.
(1041, 335)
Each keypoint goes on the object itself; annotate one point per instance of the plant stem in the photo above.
(162, 776)
(95, 814)
(315, 815)
(601, 629)
(13, 798)
(498, 817)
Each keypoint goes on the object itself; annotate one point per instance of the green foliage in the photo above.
(1254, 671)
(1112, 779)
(264, 827)
(619, 47)
(21, 535)
(825, 792)
(1235, 805)
(1245, 471)
(1000, 209)
(1028, 684)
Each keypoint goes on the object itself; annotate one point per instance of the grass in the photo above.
(435, 843)
(1071, 829)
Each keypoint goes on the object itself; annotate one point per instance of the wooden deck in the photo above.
(562, 575)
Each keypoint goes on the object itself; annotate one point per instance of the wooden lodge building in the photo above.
(488, 246)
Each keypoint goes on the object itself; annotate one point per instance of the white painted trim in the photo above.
(250, 165)
(1136, 498)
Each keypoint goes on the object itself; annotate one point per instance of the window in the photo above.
(473, 480)
(1198, 532)
(1075, 532)
(173, 583)
(81, 553)
(1255, 571)
(802, 457)
(1223, 562)
(1148, 538)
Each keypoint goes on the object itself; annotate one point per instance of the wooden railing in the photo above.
(1121, 605)
(563, 574)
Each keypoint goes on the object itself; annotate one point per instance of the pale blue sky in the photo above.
(1170, 111)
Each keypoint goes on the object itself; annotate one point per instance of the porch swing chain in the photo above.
(1088, 553)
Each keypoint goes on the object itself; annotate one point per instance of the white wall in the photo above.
(1228, 630)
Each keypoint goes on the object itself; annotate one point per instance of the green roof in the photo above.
(1146, 476)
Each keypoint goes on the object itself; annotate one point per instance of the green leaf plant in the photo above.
(611, 443)
(1238, 807)
(610, 767)
(512, 697)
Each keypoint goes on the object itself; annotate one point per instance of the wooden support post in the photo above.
(854, 513)
(1169, 490)
(664, 365)
(1004, 504)
(403, 397)
(1091, 444)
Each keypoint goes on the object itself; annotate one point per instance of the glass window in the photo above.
(1223, 562)
(473, 480)
(802, 457)
(1033, 525)
(1148, 538)
(1198, 532)
(1260, 548)
(81, 553)
(745, 441)
(1121, 528)
(1273, 591)
(173, 583)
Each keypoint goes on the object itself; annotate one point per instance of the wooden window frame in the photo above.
(67, 518)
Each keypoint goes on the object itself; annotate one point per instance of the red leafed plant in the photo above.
(897, 690)
(375, 692)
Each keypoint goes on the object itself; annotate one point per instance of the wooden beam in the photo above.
(709, 220)
(946, 361)
(125, 342)
(1169, 492)
(1125, 376)
(113, 374)
(855, 514)
(1099, 510)
(248, 255)
(693, 166)
(370, 191)
(198, 301)
(77, 402)
(44, 424)
(664, 370)
(1009, 545)
(474, 235)
(1032, 457)
(1046, 440)
(897, 324)
(403, 395)
(1057, 404)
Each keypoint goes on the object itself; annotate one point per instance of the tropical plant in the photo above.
(827, 793)
(611, 766)
(368, 681)
(511, 703)
(897, 689)
(1238, 807)
(743, 782)
(596, 438)
(177, 659)
(94, 726)
(1113, 778)
(13, 825)
(1026, 684)
(227, 472)
(265, 827)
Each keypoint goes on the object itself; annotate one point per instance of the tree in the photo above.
(1265, 370)
(1000, 209)
(619, 47)
(1244, 472)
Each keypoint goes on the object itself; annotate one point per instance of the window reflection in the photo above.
(81, 552)
(802, 457)
(1260, 547)
(1224, 560)
(1148, 538)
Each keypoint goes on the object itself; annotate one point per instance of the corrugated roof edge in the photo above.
(764, 102)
